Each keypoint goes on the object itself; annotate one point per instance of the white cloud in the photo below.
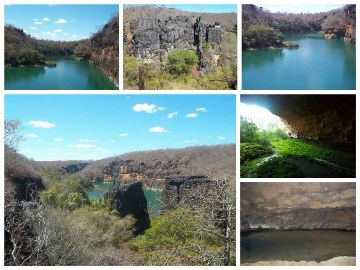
(123, 134)
(37, 22)
(61, 21)
(157, 129)
(31, 135)
(47, 33)
(191, 115)
(172, 115)
(41, 124)
(65, 34)
(46, 19)
(33, 28)
(86, 140)
(58, 30)
(83, 145)
(145, 107)
(112, 141)
(221, 138)
(201, 109)
(161, 109)
(74, 36)
(58, 139)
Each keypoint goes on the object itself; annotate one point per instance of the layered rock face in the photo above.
(130, 200)
(181, 190)
(149, 38)
(330, 118)
(291, 206)
(105, 50)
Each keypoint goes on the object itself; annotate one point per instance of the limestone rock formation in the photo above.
(329, 118)
(181, 189)
(130, 200)
(149, 38)
(291, 206)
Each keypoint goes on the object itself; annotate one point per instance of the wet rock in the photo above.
(291, 206)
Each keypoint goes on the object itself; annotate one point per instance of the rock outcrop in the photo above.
(149, 38)
(130, 200)
(183, 189)
(329, 118)
(292, 206)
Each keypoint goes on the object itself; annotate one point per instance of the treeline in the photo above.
(23, 49)
(262, 29)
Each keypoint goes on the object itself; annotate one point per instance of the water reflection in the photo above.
(261, 57)
(23, 73)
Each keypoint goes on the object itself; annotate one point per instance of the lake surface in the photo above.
(68, 74)
(317, 245)
(153, 196)
(318, 64)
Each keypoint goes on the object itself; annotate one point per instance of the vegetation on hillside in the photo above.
(263, 29)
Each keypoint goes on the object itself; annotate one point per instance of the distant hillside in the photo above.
(227, 20)
(259, 25)
(150, 165)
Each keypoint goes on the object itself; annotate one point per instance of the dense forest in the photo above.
(49, 219)
(263, 29)
(102, 49)
(178, 49)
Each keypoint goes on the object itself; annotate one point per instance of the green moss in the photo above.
(252, 150)
(278, 167)
(304, 149)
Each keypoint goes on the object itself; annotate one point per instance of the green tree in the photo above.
(248, 131)
(181, 61)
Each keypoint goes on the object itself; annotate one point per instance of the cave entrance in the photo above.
(262, 118)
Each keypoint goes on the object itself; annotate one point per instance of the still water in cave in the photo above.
(297, 245)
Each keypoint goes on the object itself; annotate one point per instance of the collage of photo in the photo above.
(164, 135)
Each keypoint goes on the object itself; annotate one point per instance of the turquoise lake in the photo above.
(153, 197)
(316, 245)
(68, 74)
(318, 63)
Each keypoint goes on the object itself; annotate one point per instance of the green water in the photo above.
(317, 245)
(318, 63)
(68, 74)
(153, 197)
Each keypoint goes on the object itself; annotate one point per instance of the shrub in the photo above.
(181, 61)
(131, 70)
(261, 36)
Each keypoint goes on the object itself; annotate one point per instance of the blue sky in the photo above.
(204, 8)
(59, 22)
(298, 8)
(69, 127)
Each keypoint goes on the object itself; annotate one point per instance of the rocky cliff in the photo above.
(291, 206)
(130, 200)
(329, 118)
(104, 49)
(149, 38)
(151, 167)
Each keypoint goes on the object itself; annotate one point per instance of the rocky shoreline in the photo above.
(336, 261)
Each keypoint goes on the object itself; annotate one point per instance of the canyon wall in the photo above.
(291, 206)
(104, 49)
